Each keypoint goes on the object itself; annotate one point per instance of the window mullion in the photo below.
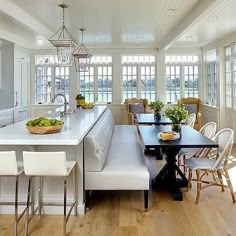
(95, 83)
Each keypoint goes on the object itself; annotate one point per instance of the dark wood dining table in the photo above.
(189, 138)
(148, 119)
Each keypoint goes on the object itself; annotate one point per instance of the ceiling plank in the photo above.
(199, 8)
(19, 14)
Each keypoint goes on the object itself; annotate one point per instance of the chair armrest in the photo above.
(130, 118)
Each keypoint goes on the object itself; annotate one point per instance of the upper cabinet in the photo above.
(7, 75)
(21, 76)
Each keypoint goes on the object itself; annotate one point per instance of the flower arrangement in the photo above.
(176, 114)
(157, 105)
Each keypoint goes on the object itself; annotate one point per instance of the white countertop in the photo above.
(76, 126)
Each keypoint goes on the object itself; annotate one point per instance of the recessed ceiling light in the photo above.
(189, 36)
(171, 9)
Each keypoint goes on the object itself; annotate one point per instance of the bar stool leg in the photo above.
(75, 189)
(40, 194)
(28, 203)
(64, 218)
(16, 205)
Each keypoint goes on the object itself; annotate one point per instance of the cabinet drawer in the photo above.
(20, 115)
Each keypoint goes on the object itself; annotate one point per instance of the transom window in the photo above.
(139, 77)
(96, 84)
(182, 74)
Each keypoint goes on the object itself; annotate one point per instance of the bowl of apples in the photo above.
(44, 125)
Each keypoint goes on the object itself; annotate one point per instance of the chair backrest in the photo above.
(191, 120)
(225, 139)
(8, 164)
(135, 106)
(209, 129)
(45, 163)
(193, 105)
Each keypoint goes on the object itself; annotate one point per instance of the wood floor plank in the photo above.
(121, 213)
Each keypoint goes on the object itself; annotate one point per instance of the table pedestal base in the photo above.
(167, 176)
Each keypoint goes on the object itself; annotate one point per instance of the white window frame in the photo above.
(139, 61)
(98, 61)
(182, 61)
(230, 76)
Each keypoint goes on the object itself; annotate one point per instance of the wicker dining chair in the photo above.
(208, 130)
(216, 165)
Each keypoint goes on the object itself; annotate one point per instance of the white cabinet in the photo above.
(21, 113)
(6, 117)
(21, 77)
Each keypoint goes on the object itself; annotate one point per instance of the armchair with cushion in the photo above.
(135, 106)
(193, 105)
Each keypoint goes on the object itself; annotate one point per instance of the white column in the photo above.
(117, 79)
(220, 60)
(161, 74)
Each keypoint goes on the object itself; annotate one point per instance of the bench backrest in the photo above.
(97, 142)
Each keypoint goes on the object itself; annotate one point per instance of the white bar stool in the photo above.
(9, 167)
(41, 164)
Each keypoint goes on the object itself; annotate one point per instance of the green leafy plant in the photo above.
(157, 105)
(79, 96)
(176, 114)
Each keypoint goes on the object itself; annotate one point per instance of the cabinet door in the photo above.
(17, 84)
(24, 83)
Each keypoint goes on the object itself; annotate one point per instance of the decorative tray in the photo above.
(44, 129)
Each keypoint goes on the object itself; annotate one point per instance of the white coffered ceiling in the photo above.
(119, 23)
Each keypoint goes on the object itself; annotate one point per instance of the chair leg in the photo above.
(189, 179)
(230, 185)
(75, 189)
(28, 204)
(198, 185)
(64, 217)
(16, 205)
(146, 200)
(185, 167)
(40, 194)
(221, 180)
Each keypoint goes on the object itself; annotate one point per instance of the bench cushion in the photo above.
(97, 142)
(125, 167)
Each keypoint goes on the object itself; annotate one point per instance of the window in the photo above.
(230, 76)
(96, 84)
(50, 79)
(182, 74)
(211, 80)
(139, 77)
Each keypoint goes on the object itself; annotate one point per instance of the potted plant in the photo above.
(80, 100)
(156, 106)
(176, 114)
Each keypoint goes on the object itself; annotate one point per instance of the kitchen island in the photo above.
(70, 139)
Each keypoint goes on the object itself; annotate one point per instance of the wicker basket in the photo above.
(44, 129)
(88, 106)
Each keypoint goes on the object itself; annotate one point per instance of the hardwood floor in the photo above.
(121, 213)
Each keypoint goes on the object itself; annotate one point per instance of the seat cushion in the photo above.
(191, 108)
(136, 108)
(125, 167)
(97, 142)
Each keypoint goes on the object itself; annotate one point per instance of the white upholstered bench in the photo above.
(114, 159)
